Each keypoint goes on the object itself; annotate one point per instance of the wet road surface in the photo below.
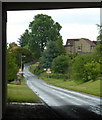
(68, 104)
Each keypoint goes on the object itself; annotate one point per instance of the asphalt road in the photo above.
(68, 104)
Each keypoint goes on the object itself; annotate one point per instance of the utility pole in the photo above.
(21, 61)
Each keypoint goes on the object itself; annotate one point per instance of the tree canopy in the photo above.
(53, 49)
(24, 38)
(12, 66)
(41, 30)
(44, 29)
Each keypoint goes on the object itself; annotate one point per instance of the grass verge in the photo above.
(21, 93)
(91, 87)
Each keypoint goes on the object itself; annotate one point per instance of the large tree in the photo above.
(53, 49)
(41, 30)
(34, 47)
(44, 29)
(24, 38)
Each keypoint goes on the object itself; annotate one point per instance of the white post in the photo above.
(21, 61)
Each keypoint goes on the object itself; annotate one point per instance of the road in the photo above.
(68, 104)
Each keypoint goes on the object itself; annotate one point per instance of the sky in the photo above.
(76, 23)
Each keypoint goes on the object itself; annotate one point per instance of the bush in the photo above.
(59, 76)
(85, 68)
(36, 68)
(92, 69)
(12, 67)
(60, 64)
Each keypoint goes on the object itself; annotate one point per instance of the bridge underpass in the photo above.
(12, 6)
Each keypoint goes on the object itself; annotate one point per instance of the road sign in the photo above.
(48, 70)
(20, 70)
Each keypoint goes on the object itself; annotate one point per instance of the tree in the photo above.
(53, 49)
(49, 54)
(59, 46)
(92, 68)
(34, 48)
(25, 54)
(19, 52)
(99, 37)
(80, 68)
(12, 67)
(98, 49)
(44, 29)
(60, 64)
(24, 38)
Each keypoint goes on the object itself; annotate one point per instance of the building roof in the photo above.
(15, 47)
(70, 42)
(90, 42)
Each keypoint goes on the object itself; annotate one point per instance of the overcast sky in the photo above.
(76, 23)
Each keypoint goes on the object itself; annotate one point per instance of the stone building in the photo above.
(81, 45)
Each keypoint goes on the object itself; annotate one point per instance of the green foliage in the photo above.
(34, 47)
(41, 30)
(59, 76)
(12, 67)
(59, 46)
(99, 38)
(14, 59)
(53, 49)
(98, 53)
(92, 69)
(49, 54)
(25, 54)
(85, 68)
(44, 29)
(60, 64)
(24, 38)
(36, 68)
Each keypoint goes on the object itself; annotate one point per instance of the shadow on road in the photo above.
(42, 112)
(73, 112)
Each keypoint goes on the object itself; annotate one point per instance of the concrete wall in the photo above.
(0, 61)
(51, 0)
(4, 75)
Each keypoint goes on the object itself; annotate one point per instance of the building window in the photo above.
(91, 47)
(79, 47)
(68, 43)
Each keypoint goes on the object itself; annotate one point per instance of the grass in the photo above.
(21, 93)
(91, 87)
